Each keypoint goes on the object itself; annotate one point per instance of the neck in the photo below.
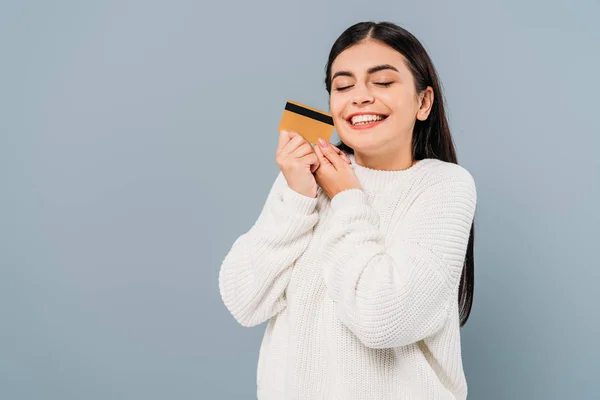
(385, 162)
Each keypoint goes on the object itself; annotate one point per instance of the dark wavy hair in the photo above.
(431, 138)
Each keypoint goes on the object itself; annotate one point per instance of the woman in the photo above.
(362, 257)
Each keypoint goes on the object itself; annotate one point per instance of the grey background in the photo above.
(138, 139)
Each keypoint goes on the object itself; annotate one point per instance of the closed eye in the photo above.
(343, 88)
(384, 84)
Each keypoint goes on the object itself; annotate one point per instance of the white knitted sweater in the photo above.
(361, 292)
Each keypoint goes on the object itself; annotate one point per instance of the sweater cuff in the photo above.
(297, 202)
(348, 198)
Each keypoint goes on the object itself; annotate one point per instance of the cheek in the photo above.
(404, 107)
(336, 108)
(394, 99)
(336, 105)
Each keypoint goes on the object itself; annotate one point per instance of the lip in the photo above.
(349, 117)
(365, 126)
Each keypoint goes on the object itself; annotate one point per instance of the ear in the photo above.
(426, 102)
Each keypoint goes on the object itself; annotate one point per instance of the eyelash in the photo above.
(384, 84)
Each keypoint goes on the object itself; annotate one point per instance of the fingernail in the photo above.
(322, 142)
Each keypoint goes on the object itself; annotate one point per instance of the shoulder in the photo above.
(445, 178)
(446, 169)
(436, 170)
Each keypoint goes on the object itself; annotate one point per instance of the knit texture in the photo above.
(360, 291)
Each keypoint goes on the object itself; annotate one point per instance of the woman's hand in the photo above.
(297, 161)
(334, 173)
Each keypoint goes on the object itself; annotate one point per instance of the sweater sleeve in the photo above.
(255, 272)
(396, 292)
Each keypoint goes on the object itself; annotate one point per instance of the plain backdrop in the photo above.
(137, 142)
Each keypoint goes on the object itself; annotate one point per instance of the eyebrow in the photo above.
(370, 71)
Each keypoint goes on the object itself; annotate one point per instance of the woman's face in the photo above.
(373, 100)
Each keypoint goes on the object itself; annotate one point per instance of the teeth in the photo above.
(365, 118)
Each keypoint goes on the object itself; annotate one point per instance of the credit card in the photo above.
(309, 122)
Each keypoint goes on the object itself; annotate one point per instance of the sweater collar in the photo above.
(376, 180)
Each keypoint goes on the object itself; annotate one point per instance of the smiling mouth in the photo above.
(361, 122)
(365, 118)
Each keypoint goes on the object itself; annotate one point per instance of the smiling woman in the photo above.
(363, 266)
(379, 98)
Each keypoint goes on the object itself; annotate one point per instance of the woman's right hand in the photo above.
(297, 160)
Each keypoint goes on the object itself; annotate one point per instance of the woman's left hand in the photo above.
(334, 173)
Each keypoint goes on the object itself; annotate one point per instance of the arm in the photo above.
(397, 294)
(256, 271)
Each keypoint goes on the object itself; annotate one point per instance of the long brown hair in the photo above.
(431, 138)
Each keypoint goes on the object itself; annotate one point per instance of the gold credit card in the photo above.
(309, 122)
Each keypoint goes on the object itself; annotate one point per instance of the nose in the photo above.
(362, 95)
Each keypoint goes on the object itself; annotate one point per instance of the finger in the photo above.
(284, 138)
(310, 159)
(293, 144)
(341, 153)
(335, 159)
(302, 150)
(323, 161)
(314, 166)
